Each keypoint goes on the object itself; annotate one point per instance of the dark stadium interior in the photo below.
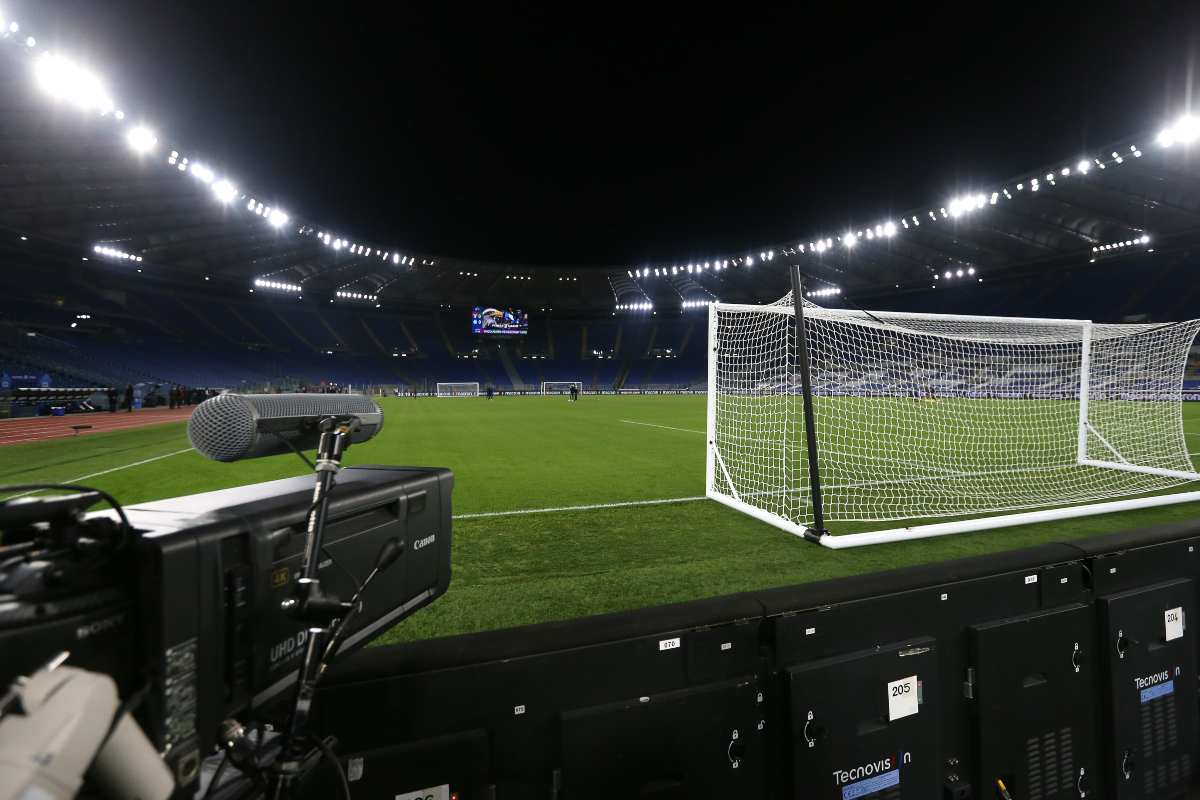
(278, 204)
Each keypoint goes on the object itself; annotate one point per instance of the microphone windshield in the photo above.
(230, 427)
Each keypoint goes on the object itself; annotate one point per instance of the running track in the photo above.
(36, 429)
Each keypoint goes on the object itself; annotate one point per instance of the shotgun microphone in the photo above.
(230, 427)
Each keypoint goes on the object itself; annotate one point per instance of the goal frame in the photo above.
(568, 384)
(817, 533)
(458, 383)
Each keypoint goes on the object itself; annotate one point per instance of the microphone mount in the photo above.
(320, 610)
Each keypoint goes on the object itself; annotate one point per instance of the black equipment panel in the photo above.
(1033, 681)
(865, 725)
(701, 742)
(1151, 689)
(454, 766)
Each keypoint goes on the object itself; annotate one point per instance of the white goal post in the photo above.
(561, 387)
(959, 420)
(458, 389)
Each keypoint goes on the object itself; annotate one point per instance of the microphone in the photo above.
(230, 427)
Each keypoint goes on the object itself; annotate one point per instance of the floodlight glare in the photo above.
(63, 79)
(277, 218)
(141, 139)
(849, 240)
(202, 172)
(225, 191)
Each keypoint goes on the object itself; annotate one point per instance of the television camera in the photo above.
(150, 635)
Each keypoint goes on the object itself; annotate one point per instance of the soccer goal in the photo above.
(561, 387)
(458, 390)
(873, 417)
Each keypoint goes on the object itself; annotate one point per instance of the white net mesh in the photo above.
(922, 415)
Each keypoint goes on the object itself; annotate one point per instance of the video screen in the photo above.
(499, 321)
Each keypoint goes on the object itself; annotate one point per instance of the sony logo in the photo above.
(99, 626)
(1150, 680)
(419, 543)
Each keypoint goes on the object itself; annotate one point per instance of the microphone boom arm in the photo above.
(311, 604)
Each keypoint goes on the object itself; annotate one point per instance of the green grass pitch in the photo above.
(518, 453)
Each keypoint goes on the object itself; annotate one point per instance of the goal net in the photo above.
(458, 390)
(561, 387)
(920, 416)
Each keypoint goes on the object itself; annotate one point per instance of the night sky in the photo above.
(598, 133)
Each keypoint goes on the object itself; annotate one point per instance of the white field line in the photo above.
(665, 427)
(589, 507)
(103, 471)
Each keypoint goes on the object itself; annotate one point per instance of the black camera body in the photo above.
(193, 610)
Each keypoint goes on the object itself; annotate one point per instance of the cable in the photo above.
(327, 753)
(212, 784)
(296, 450)
(357, 585)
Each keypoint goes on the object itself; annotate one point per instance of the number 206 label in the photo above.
(902, 698)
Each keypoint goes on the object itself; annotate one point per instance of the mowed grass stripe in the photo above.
(533, 453)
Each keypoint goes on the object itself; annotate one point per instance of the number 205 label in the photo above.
(902, 698)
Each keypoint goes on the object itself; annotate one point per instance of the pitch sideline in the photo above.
(103, 472)
(665, 427)
(587, 507)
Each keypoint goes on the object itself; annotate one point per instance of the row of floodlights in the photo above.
(696, 268)
(568, 279)
(1143, 239)
(951, 274)
(698, 303)
(113, 252)
(282, 286)
(357, 296)
(66, 81)
(272, 215)
(468, 274)
(357, 249)
(518, 277)
(1185, 130)
(826, 292)
(635, 306)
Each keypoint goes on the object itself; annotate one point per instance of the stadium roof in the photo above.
(83, 179)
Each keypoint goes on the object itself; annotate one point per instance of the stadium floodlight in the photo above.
(927, 425)
(65, 80)
(889, 229)
(13, 27)
(849, 240)
(141, 139)
(30, 41)
(749, 261)
(225, 191)
(277, 218)
(1185, 130)
(203, 172)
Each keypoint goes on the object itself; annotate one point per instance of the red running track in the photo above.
(36, 429)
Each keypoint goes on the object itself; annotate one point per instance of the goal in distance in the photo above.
(458, 389)
(819, 416)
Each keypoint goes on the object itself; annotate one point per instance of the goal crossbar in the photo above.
(1094, 409)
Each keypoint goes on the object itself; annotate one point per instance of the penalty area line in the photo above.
(664, 427)
(102, 472)
(588, 507)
